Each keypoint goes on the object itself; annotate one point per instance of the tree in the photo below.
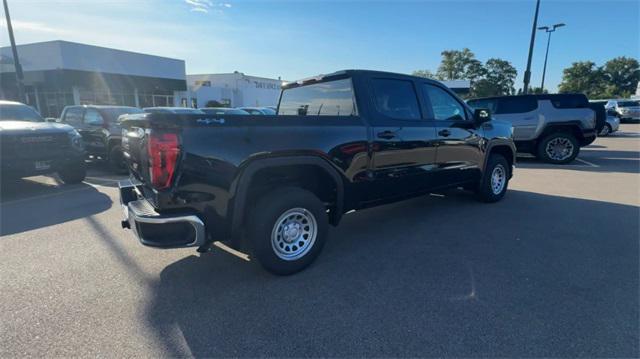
(501, 75)
(457, 65)
(424, 73)
(621, 75)
(583, 77)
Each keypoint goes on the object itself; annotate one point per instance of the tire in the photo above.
(293, 209)
(491, 189)
(606, 130)
(116, 160)
(558, 155)
(74, 173)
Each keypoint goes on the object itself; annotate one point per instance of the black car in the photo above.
(31, 146)
(100, 130)
(340, 142)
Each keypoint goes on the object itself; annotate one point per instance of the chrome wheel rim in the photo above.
(559, 148)
(498, 179)
(605, 131)
(294, 234)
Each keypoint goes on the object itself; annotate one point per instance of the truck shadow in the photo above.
(434, 276)
(28, 204)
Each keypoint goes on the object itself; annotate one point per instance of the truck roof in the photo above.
(352, 72)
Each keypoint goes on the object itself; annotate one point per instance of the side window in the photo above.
(396, 99)
(93, 117)
(516, 104)
(445, 107)
(73, 116)
(331, 98)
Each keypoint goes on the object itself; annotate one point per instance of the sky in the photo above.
(297, 39)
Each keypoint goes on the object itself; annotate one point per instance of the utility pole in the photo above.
(527, 73)
(546, 55)
(16, 60)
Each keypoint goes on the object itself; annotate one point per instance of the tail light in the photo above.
(163, 158)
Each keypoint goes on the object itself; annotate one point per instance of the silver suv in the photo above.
(551, 127)
(627, 110)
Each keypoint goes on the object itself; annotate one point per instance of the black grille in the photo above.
(34, 146)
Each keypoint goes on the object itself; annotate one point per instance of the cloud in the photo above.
(204, 6)
(33, 27)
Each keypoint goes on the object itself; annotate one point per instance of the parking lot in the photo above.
(551, 271)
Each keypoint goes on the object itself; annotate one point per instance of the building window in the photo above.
(203, 83)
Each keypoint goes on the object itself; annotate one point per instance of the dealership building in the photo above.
(231, 90)
(61, 73)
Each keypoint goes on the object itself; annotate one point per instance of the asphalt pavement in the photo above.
(551, 271)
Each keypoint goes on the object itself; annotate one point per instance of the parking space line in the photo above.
(588, 163)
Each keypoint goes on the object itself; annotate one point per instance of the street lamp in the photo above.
(549, 31)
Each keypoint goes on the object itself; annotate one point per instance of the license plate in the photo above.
(42, 165)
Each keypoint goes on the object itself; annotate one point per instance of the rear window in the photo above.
(114, 112)
(516, 104)
(331, 98)
(396, 99)
(567, 101)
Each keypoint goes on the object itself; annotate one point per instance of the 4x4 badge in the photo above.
(208, 121)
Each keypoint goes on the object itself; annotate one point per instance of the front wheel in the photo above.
(73, 174)
(495, 179)
(116, 160)
(606, 130)
(287, 230)
(559, 148)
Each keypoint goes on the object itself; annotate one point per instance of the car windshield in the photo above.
(115, 112)
(19, 112)
(268, 111)
(628, 104)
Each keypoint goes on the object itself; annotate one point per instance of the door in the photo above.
(94, 132)
(403, 148)
(522, 112)
(459, 156)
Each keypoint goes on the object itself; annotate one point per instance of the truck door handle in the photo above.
(444, 133)
(387, 135)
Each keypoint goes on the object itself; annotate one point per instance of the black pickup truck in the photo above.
(30, 146)
(340, 142)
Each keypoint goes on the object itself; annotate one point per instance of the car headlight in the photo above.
(75, 139)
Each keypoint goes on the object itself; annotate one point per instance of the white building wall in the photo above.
(236, 89)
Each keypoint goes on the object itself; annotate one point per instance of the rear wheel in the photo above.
(495, 179)
(116, 160)
(74, 173)
(558, 148)
(287, 230)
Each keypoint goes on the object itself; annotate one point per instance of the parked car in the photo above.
(627, 110)
(550, 127)
(345, 141)
(223, 111)
(173, 110)
(258, 110)
(100, 129)
(30, 146)
(611, 123)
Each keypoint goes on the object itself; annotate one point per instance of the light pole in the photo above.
(549, 31)
(16, 60)
(527, 72)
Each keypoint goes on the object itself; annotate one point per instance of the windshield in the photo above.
(332, 98)
(115, 112)
(19, 112)
(628, 104)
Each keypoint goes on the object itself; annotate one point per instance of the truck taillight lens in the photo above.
(163, 158)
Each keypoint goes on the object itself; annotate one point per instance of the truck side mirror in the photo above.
(481, 115)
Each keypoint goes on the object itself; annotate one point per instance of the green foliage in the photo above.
(424, 73)
(495, 77)
(617, 78)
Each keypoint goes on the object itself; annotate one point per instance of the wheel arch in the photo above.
(504, 148)
(250, 176)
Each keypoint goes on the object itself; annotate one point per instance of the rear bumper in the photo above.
(158, 230)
